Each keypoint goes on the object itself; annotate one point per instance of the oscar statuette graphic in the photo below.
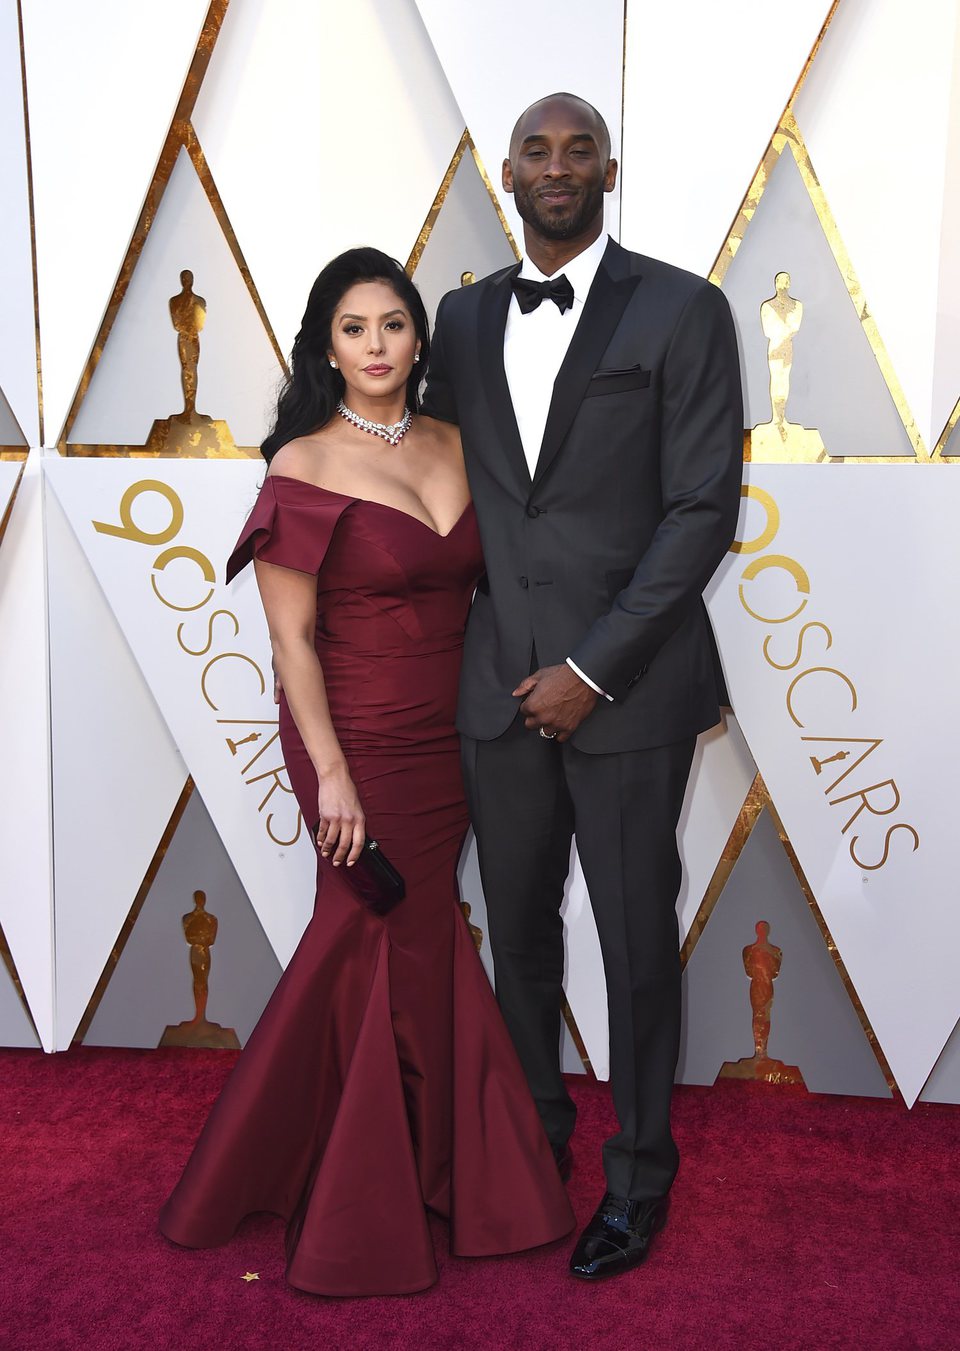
(780, 441)
(190, 434)
(200, 931)
(761, 962)
(476, 933)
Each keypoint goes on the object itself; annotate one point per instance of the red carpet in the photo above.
(797, 1222)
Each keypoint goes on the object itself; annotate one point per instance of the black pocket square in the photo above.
(618, 381)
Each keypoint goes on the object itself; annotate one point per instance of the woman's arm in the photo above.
(290, 602)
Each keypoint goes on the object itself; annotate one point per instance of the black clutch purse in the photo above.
(375, 880)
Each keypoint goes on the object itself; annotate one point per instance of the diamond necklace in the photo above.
(392, 432)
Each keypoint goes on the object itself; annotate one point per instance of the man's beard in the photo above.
(586, 208)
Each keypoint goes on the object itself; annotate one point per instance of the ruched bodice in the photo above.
(392, 603)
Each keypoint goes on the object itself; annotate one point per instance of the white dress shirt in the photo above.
(534, 346)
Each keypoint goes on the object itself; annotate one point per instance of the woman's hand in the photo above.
(342, 828)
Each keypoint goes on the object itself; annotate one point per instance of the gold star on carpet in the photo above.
(251, 1276)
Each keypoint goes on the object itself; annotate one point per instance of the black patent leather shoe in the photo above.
(618, 1237)
(563, 1158)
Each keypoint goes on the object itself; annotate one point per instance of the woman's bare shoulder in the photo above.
(303, 458)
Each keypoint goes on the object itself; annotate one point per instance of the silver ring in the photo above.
(547, 736)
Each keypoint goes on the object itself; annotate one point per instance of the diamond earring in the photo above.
(416, 356)
(334, 365)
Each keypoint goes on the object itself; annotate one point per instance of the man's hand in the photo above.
(556, 700)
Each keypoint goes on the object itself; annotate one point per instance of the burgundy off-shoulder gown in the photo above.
(380, 1080)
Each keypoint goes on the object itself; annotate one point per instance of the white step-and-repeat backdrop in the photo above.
(806, 161)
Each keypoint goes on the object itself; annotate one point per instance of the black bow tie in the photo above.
(530, 293)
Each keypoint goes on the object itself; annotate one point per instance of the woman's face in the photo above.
(373, 340)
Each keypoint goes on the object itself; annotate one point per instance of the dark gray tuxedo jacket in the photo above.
(603, 556)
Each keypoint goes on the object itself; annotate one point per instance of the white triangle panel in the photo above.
(854, 583)
(206, 663)
(138, 376)
(26, 896)
(18, 348)
(516, 55)
(93, 157)
(326, 126)
(704, 90)
(874, 113)
(117, 774)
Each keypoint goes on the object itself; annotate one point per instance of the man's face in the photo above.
(559, 168)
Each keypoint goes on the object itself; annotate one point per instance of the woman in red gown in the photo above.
(380, 1082)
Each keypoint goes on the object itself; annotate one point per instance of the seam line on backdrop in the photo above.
(33, 224)
(48, 729)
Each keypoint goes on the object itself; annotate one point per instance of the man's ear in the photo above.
(506, 176)
(610, 176)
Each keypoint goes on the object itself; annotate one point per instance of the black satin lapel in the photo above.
(491, 323)
(605, 304)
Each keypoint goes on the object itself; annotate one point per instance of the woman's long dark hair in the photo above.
(310, 395)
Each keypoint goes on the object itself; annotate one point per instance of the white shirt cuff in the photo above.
(587, 681)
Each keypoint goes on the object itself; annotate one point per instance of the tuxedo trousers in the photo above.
(528, 796)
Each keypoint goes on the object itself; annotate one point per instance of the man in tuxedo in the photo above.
(597, 393)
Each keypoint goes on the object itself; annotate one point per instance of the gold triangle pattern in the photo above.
(577, 1038)
(5, 518)
(940, 450)
(181, 136)
(436, 206)
(788, 138)
(750, 810)
(133, 915)
(755, 803)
